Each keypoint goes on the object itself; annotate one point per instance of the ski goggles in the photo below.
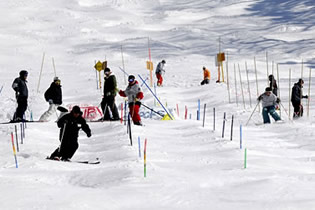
(131, 80)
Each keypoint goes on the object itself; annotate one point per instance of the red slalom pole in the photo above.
(14, 152)
(186, 110)
(177, 110)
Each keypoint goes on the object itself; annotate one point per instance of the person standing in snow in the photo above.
(21, 94)
(53, 96)
(296, 98)
(134, 94)
(206, 76)
(69, 125)
(159, 72)
(108, 101)
(273, 84)
(269, 103)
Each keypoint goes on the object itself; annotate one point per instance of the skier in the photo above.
(159, 72)
(134, 94)
(69, 125)
(269, 103)
(296, 98)
(206, 76)
(108, 101)
(53, 96)
(21, 94)
(273, 84)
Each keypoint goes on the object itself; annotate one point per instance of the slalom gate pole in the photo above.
(250, 98)
(123, 71)
(156, 98)
(224, 116)
(53, 63)
(23, 126)
(125, 115)
(129, 125)
(21, 132)
(239, 71)
(144, 80)
(154, 93)
(227, 77)
(96, 77)
(204, 115)
(145, 158)
(190, 116)
(235, 83)
(252, 113)
(198, 113)
(139, 145)
(186, 110)
(278, 78)
(245, 158)
(241, 136)
(213, 118)
(14, 152)
(1, 89)
(285, 111)
(16, 134)
(122, 112)
(41, 70)
(309, 92)
(152, 110)
(232, 122)
(123, 62)
(177, 109)
(255, 66)
(267, 68)
(16, 139)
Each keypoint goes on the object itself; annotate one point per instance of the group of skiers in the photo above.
(270, 101)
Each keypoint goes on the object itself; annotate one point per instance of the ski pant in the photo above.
(52, 108)
(205, 81)
(298, 109)
(272, 111)
(108, 102)
(159, 78)
(20, 110)
(67, 149)
(134, 112)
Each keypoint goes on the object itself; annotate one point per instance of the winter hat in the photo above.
(107, 70)
(204, 68)
(76, 109)
(23, 73)
(56, 79)
(301, 81)
(271, 77)
(163, 61)
(268, 89)
(131, 78)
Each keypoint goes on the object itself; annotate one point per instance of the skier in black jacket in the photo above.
(21, 94)
(53, 96)
(69, 125)
(296, 98)
(108, 101)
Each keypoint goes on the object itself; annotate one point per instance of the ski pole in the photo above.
(285, 110)
(62, 135)
(152, 110)
(252, 113)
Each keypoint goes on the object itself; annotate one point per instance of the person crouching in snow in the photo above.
(53, 96)
(69, 125)
(269, 102)
(134, 94)
(206, 76)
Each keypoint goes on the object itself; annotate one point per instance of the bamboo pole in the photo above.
(250, 98)
(227, 77)
(235, 85)
(123, 63)
(53, 63)
(239, 71)
(267, 68)
(289, 93)
(278, 79)
(309, 93)
(41, 70)
(255, 66)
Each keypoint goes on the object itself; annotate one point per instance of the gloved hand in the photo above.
(305, 96)
(50, 101)
(89, 134)
(278, 100)
(17, 93)
(259, 98)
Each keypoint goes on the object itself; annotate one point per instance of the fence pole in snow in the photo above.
(289, 93)
(278, 79)
(123, 62)
(223, 124)
(227, 76)
(125, 115)
(256, 80)
(235, 81)
(53, 63)
(232, 122)
(241, 136)
(177, 110)
(309, 93)
(145, 158)
(14, 152)
(239, 71)
(1, 89)
(40, 73)
(214, 119)
(267, 68)
(250, 98)
(204, 115)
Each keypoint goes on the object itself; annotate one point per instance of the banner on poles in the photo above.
(99, 66)
(150, 65)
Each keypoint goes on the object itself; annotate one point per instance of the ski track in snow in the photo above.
(188, 166)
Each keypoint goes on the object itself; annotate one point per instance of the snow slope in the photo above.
(188, 166)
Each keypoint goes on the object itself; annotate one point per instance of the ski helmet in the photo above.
(131, 78)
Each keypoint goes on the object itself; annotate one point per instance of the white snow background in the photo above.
(188, 166)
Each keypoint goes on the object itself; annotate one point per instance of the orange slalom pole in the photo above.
(14, 152)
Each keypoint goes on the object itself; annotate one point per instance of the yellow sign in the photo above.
(150, 65)
(99, 66)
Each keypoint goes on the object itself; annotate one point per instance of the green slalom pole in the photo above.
(245, 158)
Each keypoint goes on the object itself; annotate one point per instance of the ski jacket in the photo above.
(133, 92)
(110, 85)
(20, 87)
(206, 74)
(72, 126)
(160, 68)
(54, 93)
(273, 85)
(266, 100)
(297, 94)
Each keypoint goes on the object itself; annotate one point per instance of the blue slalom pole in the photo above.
(198, 113)
(124, 71)
(156, 97)
(143, 82)
(241, 136)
